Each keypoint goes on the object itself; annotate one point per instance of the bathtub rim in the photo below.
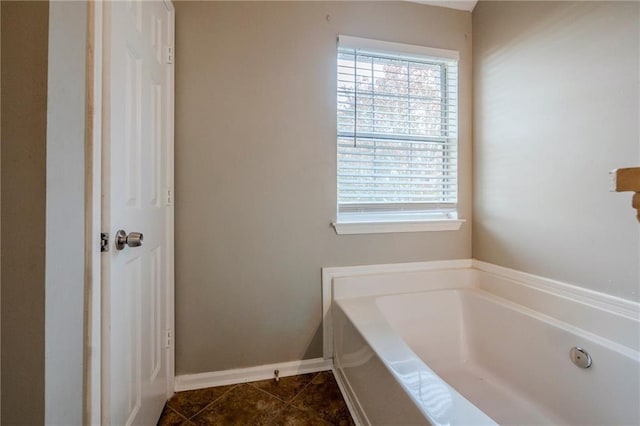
(587, 299)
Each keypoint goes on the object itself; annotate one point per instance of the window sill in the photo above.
(349, 228)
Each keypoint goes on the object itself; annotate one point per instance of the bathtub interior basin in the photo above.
(466, 356)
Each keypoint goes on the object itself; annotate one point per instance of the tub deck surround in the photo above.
(480, 344)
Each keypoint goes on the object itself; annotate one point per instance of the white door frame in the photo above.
(93, 215)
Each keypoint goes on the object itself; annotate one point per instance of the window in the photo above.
(396, 133)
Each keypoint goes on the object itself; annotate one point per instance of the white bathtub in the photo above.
(464, 356)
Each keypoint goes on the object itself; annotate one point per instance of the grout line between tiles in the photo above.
(290, 403)
(278, 412)
(302, 390)
(214, 401)
(315, 413)
(267, 392)
(286, 403)
(177, 412)
(272, 394)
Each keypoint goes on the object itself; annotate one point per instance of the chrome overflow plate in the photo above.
(580, 357)
(133, 239)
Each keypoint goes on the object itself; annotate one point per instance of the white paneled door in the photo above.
(136, 210)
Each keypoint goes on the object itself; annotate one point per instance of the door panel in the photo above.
(135, 163)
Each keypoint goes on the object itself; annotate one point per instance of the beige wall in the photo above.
(24, 118)
(555, 109)
(256, 165)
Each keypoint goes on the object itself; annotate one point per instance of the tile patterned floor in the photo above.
(308, 399)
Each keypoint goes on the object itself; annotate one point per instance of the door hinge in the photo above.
(169, 54)
(169, 196)
(168, 339)
(104, 242)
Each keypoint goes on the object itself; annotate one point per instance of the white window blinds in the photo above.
(397, 131)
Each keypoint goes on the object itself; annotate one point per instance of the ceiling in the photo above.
(452, 4)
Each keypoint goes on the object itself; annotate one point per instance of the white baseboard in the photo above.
(242, 375)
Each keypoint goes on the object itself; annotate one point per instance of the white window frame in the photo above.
(445, 219)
